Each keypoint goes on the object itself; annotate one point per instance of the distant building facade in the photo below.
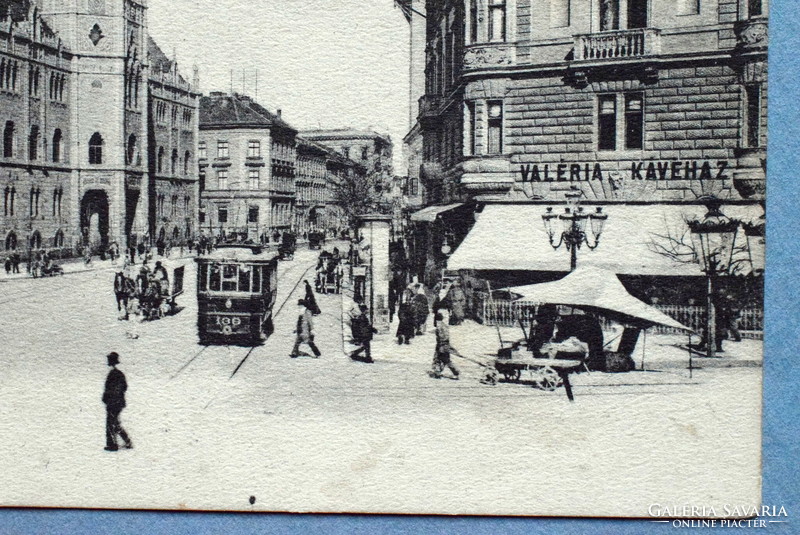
(311, 183)
(75, 92)
(248, 167)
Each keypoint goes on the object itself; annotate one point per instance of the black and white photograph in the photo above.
(446, 257)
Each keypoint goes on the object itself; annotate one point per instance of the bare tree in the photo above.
(358, 194)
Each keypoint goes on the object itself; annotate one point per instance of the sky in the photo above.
(324, 63)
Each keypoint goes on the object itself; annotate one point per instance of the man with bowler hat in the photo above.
(114, 398)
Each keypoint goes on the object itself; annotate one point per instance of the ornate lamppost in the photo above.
(716, 235)
(574, 221)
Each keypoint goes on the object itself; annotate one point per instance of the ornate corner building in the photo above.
(99, 128)
(626, 101)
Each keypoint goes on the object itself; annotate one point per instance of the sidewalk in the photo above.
(76, 265)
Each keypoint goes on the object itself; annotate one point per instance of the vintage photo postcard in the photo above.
(487, 257)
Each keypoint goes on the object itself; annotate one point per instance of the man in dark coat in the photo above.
(362, 335)
(121, 293)
(114, 398)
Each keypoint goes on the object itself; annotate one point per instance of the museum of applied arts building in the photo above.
(640, 109)
(99, 129)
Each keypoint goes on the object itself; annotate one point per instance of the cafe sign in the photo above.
(645, 170)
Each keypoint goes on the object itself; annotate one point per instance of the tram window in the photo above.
(256, 279)
(229, 276)
(244, 278)
(202, 278)
(215, 279)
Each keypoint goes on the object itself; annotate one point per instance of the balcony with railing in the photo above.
(618, 44)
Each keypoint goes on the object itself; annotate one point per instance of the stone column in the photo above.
(375, 228)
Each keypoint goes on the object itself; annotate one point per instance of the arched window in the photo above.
(187, 159)
(8, 140)
(36, 240)
(11, 241)
(58, 240)
(96, 149)
(57, 145)
(174, 161)
(160, 161)
(33, 143)
(130, 154)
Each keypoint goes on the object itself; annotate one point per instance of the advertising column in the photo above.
(375, 229)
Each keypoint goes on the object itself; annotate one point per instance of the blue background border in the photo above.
(781, 394)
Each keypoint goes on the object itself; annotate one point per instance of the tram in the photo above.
(236, 290)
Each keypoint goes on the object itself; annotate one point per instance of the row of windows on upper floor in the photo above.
(35, 207)
(185, 113)
(9, 80)
(280, 151)
(96, 144)
(619, 124)
(174, 162)
(161, 201)
(488, 21)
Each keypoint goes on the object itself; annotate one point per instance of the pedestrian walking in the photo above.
(420, 308)
(457, 301)
(304, 330)
(114, 399)
(15, 260)
(7, 265)
(362, 331)
(405, 324)
(311, 301)
(441, 356)
(121, 293)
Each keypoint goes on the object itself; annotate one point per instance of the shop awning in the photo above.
(512, 237)
(430, 213)
(595, 288)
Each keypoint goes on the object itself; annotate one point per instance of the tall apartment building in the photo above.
(248, 159)
(640, 106)
(78, 86)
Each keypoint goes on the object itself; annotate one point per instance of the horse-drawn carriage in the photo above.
(316, 239)
(330, 273)
(287, 247)
(158, 298)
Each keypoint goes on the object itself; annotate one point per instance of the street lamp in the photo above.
(755, 233)
(716, 235)
(574, 221)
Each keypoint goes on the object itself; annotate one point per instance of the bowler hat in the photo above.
(113, 358)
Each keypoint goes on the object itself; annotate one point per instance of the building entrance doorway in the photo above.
(94, 218)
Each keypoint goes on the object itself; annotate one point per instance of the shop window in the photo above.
(494, 137)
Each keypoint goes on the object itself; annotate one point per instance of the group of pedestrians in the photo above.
(145, 294)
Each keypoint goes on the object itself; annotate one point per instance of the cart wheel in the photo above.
(548, 379)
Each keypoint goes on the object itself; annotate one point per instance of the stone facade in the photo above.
(247, 158)
(682, 87)
(311, 184)
(75, 89)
